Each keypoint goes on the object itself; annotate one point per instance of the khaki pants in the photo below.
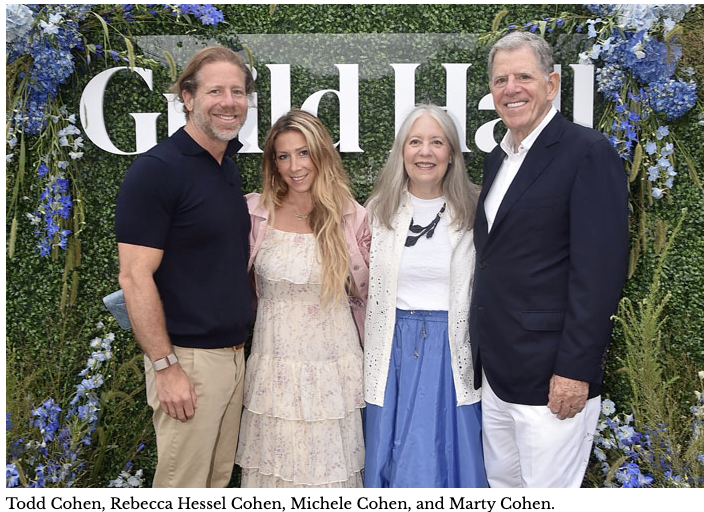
(201, 451)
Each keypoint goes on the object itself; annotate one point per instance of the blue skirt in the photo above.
(420, 438)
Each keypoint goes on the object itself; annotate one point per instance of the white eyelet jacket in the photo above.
(384, 262)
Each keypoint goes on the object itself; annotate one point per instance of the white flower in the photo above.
(48, 28)
(69, 130)
(637, 49)
(8, 157)
(75, 155)
(33, 219)
(701, 375)
(669, 24)
(596, 50)
(55, 18)
(600, 455)
(133, 481)
(608, 407)
(625, 433)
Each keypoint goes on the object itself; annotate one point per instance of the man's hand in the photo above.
(567, 396)
(176, 393)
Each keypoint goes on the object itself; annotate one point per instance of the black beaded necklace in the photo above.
(428, 230)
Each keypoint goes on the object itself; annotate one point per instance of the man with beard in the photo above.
(182, 229)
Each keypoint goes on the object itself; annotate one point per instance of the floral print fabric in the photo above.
(302, 424)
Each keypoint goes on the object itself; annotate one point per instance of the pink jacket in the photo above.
(358, 239)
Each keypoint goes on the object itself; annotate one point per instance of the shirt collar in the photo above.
(189, 146)
(507, 142)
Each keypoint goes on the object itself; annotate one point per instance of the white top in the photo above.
(510, 166)
(424, 275)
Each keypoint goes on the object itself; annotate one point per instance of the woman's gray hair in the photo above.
(516, 40)
(460, 193)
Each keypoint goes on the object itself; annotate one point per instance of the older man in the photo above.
(551, 236)
(182, 229)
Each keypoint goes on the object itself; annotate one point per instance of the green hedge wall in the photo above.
(38, 333)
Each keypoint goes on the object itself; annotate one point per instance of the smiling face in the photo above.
(522, 95)
(426, 157)
(218, 109)
(293, 162)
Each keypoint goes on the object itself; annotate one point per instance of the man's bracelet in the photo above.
(164, 362)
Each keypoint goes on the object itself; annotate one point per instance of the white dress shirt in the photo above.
(510, 166)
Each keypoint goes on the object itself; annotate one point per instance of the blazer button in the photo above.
(356, 267)
(482, 264)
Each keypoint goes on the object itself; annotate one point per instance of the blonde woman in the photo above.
(309, 252)
(423, 416)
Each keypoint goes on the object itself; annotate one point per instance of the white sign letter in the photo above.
(349, 107)
(93, 122)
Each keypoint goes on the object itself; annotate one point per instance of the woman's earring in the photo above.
(272, 181)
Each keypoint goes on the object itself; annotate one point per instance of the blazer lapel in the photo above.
(537, 160)
(491, 168)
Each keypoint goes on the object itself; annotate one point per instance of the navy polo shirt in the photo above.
(177, 198)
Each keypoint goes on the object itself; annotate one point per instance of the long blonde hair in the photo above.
(330, 191)
(460, 193)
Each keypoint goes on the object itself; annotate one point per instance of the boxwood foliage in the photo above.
(46, 347)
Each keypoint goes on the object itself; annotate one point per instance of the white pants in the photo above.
(527, 446)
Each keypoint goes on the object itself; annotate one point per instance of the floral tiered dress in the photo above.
(302, 423)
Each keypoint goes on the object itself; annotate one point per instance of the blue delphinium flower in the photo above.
(207, 13)
(55, 204)
(632, 57)
(653, 173)
(12, 476)
(662, 132)
(56, 458)
(46, 419)
(210, 15)
(50, 47)
(630, 476)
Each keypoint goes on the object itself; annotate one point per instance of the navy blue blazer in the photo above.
(549, 275)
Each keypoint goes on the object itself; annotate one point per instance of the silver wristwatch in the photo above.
(164, 362)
